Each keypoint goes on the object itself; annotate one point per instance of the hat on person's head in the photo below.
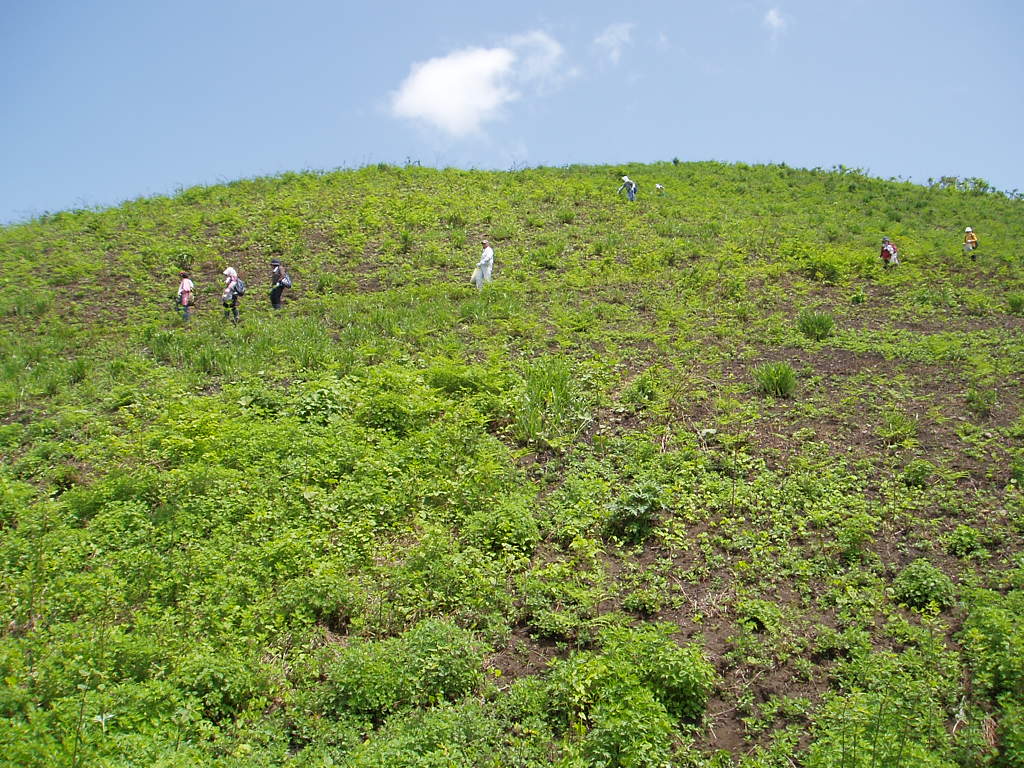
(886, 240)
(625, 178)
(485, 242)
(275, 262)
(968, 230)
(183, 273)
(230, 272)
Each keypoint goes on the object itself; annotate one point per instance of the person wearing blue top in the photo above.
(630, 186)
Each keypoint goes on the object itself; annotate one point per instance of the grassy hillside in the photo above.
(694, 482)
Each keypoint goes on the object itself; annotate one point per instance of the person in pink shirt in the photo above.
(186, 294)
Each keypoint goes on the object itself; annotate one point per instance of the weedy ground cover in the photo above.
(693, 482)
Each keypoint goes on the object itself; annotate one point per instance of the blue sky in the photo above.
(108, 100)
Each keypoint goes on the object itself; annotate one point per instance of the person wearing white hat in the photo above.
(233, 288)
(630, 186)
(970, 243)
(482, 273)
(659, 188)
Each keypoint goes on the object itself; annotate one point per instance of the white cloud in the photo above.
(542, 58)
(614, 39)
(460, 92)
(774, 21)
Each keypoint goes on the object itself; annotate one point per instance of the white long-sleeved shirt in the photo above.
(186, 285)
(487, 257)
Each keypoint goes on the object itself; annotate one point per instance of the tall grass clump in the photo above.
(815, 325)
(776, 379)
(550, 408)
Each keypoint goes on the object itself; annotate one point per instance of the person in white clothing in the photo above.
(229, 298)
(186, 294)
(482, 273)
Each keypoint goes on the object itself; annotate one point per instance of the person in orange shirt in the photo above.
(970, 243)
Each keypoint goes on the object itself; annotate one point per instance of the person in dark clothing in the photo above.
(279, 280)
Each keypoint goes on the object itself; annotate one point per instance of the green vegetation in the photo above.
(693, 482)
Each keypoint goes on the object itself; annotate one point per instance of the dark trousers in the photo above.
(231, 309)
(275, 296)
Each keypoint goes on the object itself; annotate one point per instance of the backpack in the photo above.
(239, 289)
(285, 280)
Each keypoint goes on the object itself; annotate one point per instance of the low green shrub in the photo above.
(455, 379)
(897, 428)
(505, 526)
(560, 600)
(641, 391)
(963, 541)
(462, 734)
(823, 269)
(1011, 732)
(873, 729)
(981, 401)
(921, 585)
(223, 679)
(855, 532)
(433, 661)
(1015, 302)
(643, 664)
(645, 601)
(993, 639)
(628, 727)
(815, 325)
(634, 515)
(776, 379)
(918, 472)
(390, 412)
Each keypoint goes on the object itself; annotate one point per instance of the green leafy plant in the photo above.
(921, 585)
(981, 401)
(964, 541)
(897, 428)
(918, 472)
(634, 515)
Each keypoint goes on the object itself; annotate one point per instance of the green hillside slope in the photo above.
(693, 482)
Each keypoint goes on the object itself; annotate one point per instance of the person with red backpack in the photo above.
(890, 253)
